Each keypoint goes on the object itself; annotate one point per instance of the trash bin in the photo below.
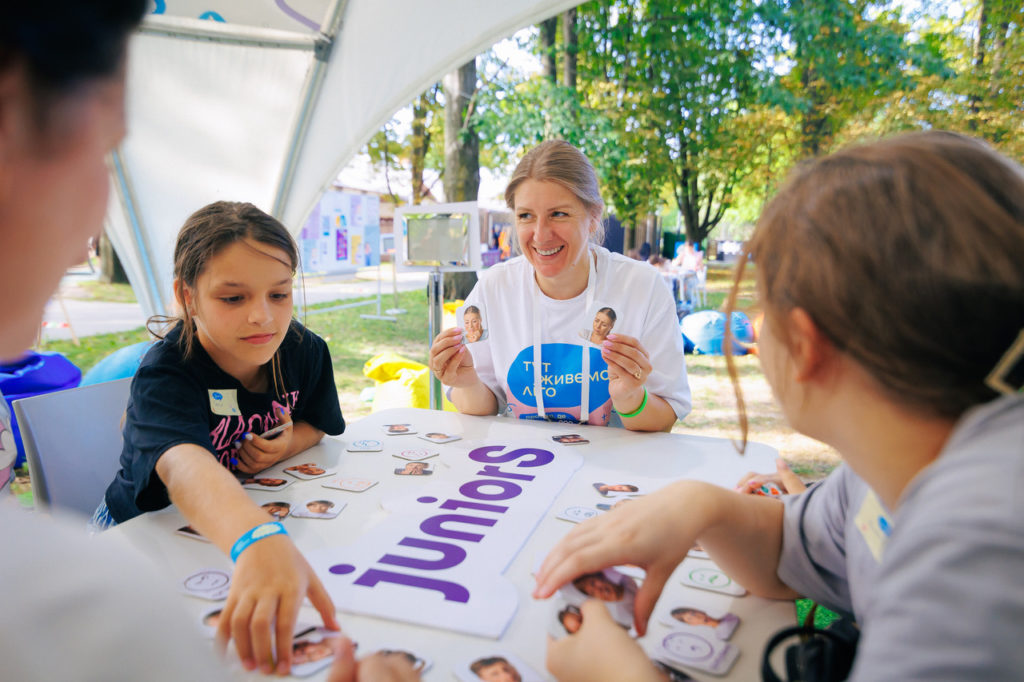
(34, 374)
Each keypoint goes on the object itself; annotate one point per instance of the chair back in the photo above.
(73, 443)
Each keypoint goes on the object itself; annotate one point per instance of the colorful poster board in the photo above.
(342, 233)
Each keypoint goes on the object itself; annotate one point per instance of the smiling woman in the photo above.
(235, 364)
(533, 361)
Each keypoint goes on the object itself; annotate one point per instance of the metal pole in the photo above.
(433, 329)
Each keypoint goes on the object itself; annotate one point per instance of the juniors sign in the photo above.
(439, 559)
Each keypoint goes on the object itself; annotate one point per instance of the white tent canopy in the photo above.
(267, 100)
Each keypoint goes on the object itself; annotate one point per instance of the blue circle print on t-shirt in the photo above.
(561, 376)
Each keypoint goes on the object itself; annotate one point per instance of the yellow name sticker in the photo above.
(874, 524)
(224, 401)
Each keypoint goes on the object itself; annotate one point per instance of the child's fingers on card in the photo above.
(287, 614)
(260, 632)
(647, 596)
(321, 601)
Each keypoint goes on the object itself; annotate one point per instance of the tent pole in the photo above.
(129, 206)
(310, 92)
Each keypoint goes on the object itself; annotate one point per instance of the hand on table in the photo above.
(450, 360)
(599, 650)
(256, 454)
(270, 581)
(376, 668)
(784, 478)
(649, 532)
(629, 365)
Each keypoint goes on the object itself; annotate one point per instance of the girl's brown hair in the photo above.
(908, 255)
(558, 161)
(205, 234)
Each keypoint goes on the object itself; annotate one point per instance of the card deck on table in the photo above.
(570, 439)
(318, 509)
(415, 469)
(399, 429)
(350, 483)
(190, 532)
(210, 583)
(575, 514)
(308, 471)
(313, 652)
(707, 576)
(270, 484)
(416, 455)
(496, 665)
(365, 445)
(694, 649)
(436, 437)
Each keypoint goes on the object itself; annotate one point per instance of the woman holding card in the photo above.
(867, 260)
(533, 361)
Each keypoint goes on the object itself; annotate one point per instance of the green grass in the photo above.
(95, 290)
(95, 348)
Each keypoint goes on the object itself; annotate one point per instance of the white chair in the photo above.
(72, 443)
(701, 291)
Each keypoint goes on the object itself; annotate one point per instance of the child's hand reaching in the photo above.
(256, 454)
(599, 650)
(270, 581)
(788, 482)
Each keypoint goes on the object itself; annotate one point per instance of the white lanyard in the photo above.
(538, 387)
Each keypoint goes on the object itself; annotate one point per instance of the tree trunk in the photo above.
(111, 270)
(418, 146)
(461, 159)
(571, 42)
(974, 101)
(548, 31)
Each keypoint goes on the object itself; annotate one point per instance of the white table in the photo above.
(658, 455)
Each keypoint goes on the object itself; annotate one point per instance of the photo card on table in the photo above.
(616, 590)
(318, 508)
(307, 471)
(415, 469)
(496, 665)
(365, 445)
(211, 584)
(265, 483)
(353, 484)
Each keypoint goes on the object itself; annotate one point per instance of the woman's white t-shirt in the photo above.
(643, 308)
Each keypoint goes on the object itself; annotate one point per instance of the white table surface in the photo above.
(657, 455)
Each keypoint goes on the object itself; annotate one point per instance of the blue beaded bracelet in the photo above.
(255, 534)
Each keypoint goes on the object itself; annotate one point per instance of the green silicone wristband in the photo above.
(630, 415)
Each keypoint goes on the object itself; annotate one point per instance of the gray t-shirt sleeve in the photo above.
(944, 612)
(813, 560)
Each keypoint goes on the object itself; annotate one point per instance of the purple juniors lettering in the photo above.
(495, 488)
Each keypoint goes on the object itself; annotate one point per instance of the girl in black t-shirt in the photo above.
(234, 365)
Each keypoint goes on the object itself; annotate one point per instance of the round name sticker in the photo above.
(687, 647)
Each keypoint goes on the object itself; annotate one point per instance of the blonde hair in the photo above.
(908, 255)
(558, 161)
